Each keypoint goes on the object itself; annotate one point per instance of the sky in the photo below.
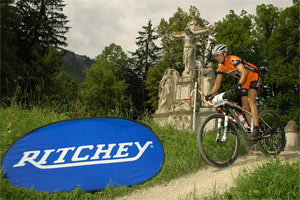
(95, 24)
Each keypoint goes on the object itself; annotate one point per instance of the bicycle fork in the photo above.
(219, 128)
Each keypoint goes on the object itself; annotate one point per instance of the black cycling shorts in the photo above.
(253, 85)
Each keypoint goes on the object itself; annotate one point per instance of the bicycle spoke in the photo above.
(214, 150)
(273, 133)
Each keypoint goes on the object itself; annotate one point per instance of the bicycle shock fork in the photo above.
(219, 127)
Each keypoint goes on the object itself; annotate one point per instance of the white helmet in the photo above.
(219, 48)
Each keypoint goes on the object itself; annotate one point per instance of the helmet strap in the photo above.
(224, 58)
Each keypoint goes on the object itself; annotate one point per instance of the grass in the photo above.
(15, 122)
(180, 147)
(272, 180)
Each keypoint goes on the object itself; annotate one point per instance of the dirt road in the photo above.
(204, 181)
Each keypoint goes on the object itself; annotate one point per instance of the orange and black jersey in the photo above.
(230, 66)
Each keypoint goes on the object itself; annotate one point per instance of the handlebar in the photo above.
(204, 95)
(228, 92)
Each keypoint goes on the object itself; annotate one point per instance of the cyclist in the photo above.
(249, 82)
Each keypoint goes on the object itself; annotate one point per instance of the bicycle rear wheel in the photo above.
(273, 133)
(215, 152)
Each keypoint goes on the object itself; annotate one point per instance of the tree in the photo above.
(142, 60)
(283, 60)
(65, 90)
(118, 59)
(43, 23)
(236, 32)
(266, 20)
(103, 91)
(147, 53)
(40, 33)
(10, 63)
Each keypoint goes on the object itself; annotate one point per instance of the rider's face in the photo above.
(220, 58)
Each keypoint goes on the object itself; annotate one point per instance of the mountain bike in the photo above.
(219, 134)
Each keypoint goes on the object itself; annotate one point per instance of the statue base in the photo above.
(183, 120)
(184, 87)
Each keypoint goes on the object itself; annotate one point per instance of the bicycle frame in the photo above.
(230, 107)
(234, 114)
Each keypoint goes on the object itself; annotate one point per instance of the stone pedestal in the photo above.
(184, 87)
(292, 136)
(183, 120)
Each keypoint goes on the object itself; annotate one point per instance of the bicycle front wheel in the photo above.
(273, 141)
(213, 150)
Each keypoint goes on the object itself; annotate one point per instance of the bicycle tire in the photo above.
(218, 154)
(275, 143)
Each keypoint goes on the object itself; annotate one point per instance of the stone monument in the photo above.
(174, 106)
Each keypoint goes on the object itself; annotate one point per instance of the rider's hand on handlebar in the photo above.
(209, 97)
(236, 87)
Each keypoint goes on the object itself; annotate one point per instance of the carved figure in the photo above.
(190, 35)
(207, 78)
(166, 90)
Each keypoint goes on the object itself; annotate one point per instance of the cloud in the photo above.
(96, 24)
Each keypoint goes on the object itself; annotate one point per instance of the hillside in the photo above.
(76, 64)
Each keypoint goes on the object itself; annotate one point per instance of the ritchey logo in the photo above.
(121, 155)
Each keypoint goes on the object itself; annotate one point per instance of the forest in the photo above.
(120, 83)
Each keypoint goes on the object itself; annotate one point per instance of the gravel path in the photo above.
(204, 181)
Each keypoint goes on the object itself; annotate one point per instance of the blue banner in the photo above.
(87, 153)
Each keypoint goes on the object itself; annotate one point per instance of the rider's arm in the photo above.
(217, 84)
(244, 73)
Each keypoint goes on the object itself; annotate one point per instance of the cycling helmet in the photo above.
(219, 48)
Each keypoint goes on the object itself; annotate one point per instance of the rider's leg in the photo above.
(252, 94)
(246, 106)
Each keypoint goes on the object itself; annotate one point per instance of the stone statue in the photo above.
(190, 35)
(166, 90)
(206, 80)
